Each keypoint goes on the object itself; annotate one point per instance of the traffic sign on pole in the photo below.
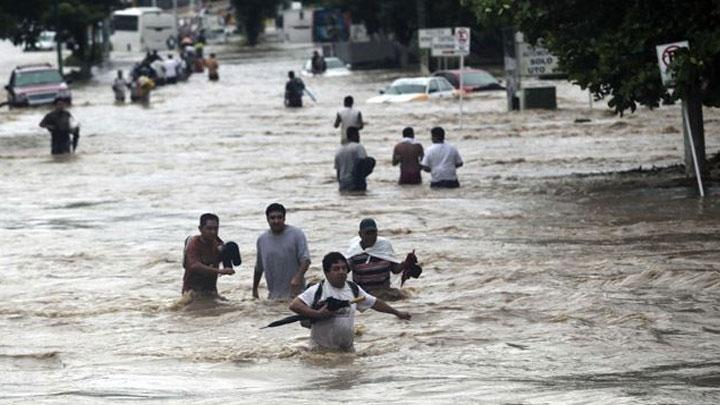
(462, 40)
(665, 55)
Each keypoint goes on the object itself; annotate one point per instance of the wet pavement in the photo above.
(549, 277)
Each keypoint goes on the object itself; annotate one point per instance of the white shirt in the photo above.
(336, 332)
(170, 68)
(442, 159)
(349, 117)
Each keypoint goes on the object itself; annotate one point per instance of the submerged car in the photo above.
(415, 89)
(334, 67)
(473, 79)
(36, 84)
(46, 41)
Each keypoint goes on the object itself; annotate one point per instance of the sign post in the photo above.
(462, 47)
(665, 54)
(425, 40)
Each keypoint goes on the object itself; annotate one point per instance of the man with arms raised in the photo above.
(333, 330)
(282, 255)
(202, 258)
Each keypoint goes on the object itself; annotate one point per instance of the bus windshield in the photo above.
(125, 23)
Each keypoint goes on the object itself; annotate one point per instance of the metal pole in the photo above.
(686, 118)
(58, 43)
(175, 23)
(462, 91)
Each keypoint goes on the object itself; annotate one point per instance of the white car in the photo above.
(415, 89)
(334, 67)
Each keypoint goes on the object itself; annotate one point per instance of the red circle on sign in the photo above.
(668, 54)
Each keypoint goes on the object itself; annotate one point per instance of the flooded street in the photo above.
(545, 281)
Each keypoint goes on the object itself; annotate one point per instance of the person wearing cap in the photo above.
(408, 153)
(371, 259)
(61, 124)
(333, 330)
(282, 255)
(441, 160)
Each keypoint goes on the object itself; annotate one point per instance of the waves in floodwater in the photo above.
(544, 281)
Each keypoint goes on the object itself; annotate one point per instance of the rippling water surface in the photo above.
(544, 281)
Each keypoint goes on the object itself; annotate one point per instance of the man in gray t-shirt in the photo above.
(283, 255)
(347, 159)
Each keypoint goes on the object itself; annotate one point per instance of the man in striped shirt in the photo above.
(372, 258)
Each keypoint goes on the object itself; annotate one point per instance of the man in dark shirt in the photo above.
(294, 91)
(59, 123)
(408, 154)
(202, 258)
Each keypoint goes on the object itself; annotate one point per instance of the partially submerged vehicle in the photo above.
(334, 67)
(415, 89)
(35, 85)
(473, 79)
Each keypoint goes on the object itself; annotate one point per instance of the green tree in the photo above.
(608, 47)
(22, 21)
(251, 15)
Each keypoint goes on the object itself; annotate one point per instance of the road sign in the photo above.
(462, 40)
(665, 55)
(536, 61)
(443, 46)
(426, 35)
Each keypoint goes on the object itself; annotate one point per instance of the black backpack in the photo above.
(307, 323)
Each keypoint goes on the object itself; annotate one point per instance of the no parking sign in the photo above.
(666, 54)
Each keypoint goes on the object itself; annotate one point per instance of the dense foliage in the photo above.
(22, 21)
(251, 15)
(609, 46)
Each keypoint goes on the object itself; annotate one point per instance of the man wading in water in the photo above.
(202, 257)
(294, 89)
(60, 124)
(333, 330)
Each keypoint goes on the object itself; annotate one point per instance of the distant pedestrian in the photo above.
(61, 125)
(352, 164)
(348, 117)
(317, 64)
(171, 70)
(212, 67)
(282, 255)
(294, 89)
(119, 86)
(408, 154)
(441, 160)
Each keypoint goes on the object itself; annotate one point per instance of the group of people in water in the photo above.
(155, 71)
(283, 258)
(353, 165)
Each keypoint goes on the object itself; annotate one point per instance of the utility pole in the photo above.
(424, 59)
(58, 42)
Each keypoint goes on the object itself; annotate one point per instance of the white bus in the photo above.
(142, 29)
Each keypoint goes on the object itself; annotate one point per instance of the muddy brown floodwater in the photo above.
(545, 281)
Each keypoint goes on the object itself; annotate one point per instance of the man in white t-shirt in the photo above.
(441, 159)
(171, 67)
(348, 117)
(333, 330)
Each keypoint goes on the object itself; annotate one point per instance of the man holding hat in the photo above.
(61, 124)
(371, 258)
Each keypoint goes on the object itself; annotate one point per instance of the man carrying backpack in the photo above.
(333, 329)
